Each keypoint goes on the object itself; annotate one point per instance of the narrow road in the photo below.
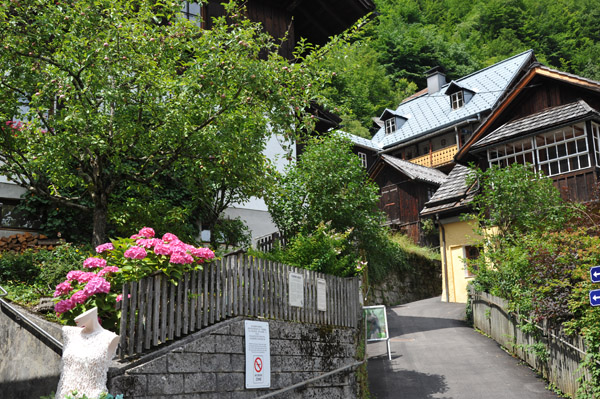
(436, 355)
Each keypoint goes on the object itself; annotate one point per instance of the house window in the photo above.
(470, 253)
(192, 11)
(390, 126)
(562, 151)
(457, 99)
(507, 154)
(363, 159)
(11, 217)
(556, 152)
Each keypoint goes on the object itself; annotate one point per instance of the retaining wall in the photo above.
(211, 364)
(28, 368)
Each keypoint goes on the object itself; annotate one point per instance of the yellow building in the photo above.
(457, 236)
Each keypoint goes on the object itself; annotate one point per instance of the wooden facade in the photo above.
(401, 199)
(540, 90)
(314, 20)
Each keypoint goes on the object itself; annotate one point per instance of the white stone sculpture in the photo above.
(87, 352)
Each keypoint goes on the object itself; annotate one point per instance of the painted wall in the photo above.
(458, 234)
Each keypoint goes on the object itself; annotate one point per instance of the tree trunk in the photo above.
(100, 217)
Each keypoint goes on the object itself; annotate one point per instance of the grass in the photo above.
(409, 246)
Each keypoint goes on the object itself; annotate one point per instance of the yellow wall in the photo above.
(458, 234)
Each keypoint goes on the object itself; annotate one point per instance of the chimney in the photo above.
(436, 78)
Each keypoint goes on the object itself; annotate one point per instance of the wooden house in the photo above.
(429, 128)
(549, 119)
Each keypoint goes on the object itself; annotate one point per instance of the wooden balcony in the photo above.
(437, 158)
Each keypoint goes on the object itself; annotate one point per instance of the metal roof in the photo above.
(359, 141)
(430, 112)
(414, 171)
(559, 115)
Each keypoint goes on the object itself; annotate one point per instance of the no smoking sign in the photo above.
(258, 364)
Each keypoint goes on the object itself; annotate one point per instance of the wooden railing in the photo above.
(437, 158)
(155, 310)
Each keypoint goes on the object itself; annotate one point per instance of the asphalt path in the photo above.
(436, 355)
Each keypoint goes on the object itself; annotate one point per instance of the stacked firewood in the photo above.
(22, 242)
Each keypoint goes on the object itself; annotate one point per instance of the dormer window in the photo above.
(392, 121)
(457, 99)
(390, 126)
(459, 96)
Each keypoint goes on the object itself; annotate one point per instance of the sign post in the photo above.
(258, 354)
(377, 325)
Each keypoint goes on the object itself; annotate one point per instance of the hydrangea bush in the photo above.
(119, 261)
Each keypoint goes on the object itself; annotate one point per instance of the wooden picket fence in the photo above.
(155, 310)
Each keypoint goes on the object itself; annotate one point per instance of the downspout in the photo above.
(444, 258)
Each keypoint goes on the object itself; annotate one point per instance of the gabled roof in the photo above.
(535, 70)
(454, 193)
(453, 87)
(428, 113)
(548, 118)
(414, 171)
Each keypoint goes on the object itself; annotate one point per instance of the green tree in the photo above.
(325, 203)
(113, 94)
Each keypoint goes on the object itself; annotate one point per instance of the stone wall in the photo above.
(423, 280)
(28, 368)
(211, 364)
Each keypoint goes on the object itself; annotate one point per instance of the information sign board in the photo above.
(258, 354)
(321, 295)
(296, 289)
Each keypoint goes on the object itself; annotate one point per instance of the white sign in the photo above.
(296, 289)
(258, 354)
(321, 295)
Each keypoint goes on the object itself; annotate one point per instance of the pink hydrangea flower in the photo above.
(120, 297)
(91, 263)
(204, 253)
(104, 247)
(97, 285)
(181, 258)
(74, 275)
(63, 288)
(170, 237)
(108, 269)
(136, 236)
(147, 242)
(162, 249)
(135, 253)
(147, 232)
(84, 277)
(79, 297)
(64, 306)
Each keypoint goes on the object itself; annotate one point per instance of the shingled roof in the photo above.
(454, 193)
(414, 171)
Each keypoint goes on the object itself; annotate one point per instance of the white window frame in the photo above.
(569, 161)
(596, 141)
(457, 100)
(363, 159)
(390, 125)
(553, 153)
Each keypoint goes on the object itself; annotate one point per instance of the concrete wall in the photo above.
(28, 368)
(211, 364)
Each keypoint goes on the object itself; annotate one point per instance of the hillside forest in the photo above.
(406, 38)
